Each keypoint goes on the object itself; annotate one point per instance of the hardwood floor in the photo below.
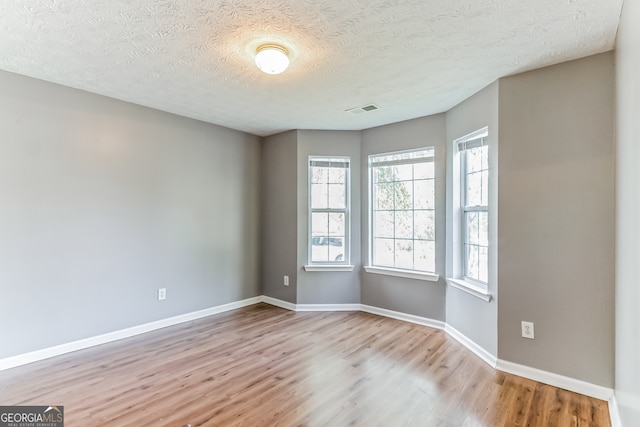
(265, 366)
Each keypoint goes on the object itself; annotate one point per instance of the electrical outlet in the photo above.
(286, 280)
(527, 330)
(162, 294)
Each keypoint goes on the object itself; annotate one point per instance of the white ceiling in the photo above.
(195, 57)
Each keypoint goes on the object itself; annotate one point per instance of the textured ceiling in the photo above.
(195, 57)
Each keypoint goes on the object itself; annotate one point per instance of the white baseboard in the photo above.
(614, 412)
(355, 307)
(327, 307)
(34, 356)
(437, 324)
(310, 307)
(483, 354)
(556, 380)
(278, 303)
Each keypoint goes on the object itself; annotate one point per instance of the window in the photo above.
(402, 214)
(328, 210)
(474, 201)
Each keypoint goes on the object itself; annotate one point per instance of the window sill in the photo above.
(328, 267)
(470, 288)
(402, 273)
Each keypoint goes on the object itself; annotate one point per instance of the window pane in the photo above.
(472, 262)
(383, 174)
(472, 223)
(337, 175)
(404, 225)
(485, 188)
(483, 264)
(383, 224)
(383, 252)
(383, 197)
(485, 157)
(424, 194)
(319, 224)
(319, 196)
(425, 255)
(474, 160)
(403, 172)
(423, 170)
(474, 185)
(483, 228)
(404, 254)
(337, 196)
(424, 225)
(336, 224)
(319, 175)
(404, 195)
(336, 248)
(319, 249)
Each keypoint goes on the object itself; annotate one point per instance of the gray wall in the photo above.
(474, 317)
(331, 287)
(628, 208)
(556, 227)
(279, 215)
(417, 297)
(103, 202)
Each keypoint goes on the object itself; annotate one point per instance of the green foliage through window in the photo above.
(403, 210)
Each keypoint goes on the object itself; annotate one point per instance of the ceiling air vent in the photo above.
(363, 109)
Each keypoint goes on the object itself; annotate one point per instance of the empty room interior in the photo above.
(321, 213)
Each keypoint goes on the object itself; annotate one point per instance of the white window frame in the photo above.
(344, 264)
(477, 140)
(405, 158)
(461, 280)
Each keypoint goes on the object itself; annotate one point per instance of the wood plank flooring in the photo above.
(265, 366)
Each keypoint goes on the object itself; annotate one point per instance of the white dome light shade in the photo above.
(272, 59)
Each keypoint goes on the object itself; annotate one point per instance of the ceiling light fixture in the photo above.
(272, 58)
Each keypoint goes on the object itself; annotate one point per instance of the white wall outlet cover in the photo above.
(527, 330)
(162, 294)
